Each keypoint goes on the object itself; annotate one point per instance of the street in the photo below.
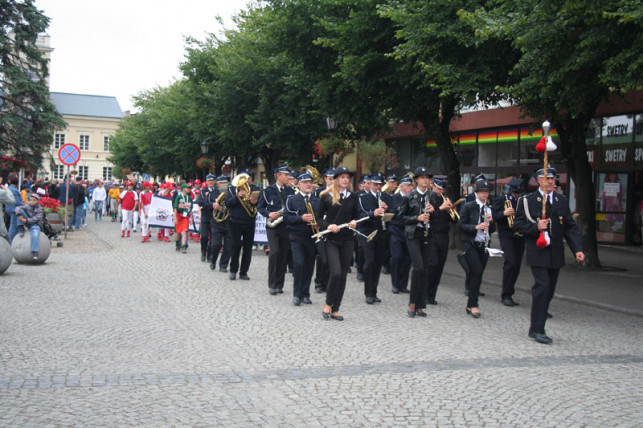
(113, 332)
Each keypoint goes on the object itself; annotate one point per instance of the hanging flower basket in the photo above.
(205, 163)
(126, 171)
(332, 145)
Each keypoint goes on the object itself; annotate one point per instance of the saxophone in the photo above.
(274, 223)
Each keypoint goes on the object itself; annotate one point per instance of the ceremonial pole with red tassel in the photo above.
(545, 145)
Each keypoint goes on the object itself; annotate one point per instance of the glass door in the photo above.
(611, 205)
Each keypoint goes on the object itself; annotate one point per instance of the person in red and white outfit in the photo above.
(145, 200)
(129, 203)
(163, 233)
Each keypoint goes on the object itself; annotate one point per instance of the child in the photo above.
(32, 216)
(182, 209)
(129, 200)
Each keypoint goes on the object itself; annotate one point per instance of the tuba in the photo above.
(240, 182)
(222, 213)
(317, 177)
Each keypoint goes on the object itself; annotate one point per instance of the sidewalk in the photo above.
(618, 287)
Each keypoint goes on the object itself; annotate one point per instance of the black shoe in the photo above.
(296, 301)
(319, 290)
(202, 257)
(410, 313)
(466, 291)
(549, 315)
(326, 315)
(370, 300)
(244, 276)
(420, 313)
(385, 270)
(376, 299)
(473, 314)
(232, 276)
(22, 233)
(480, 294)
(306, 301)
(509, 302)
(350, 270)
(432, 302)
(540, 338)
(280, 290)
(360, 277)
(272, 291)
(213, 266)
(405, 291)
(396, 290)
(223, 269)
(337, 317)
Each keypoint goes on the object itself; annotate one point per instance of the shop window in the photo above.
(611, 200)
(617, 133)
(466, 149)
(508, 147)
(487, 148)
(528, 153)
(638, 141)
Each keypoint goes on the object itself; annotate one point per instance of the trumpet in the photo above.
(240, 182)
(222, 213)
(313, 224)
(510, 218)
(453, 211)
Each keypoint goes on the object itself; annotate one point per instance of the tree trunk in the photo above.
(572, 134)
(270, 159)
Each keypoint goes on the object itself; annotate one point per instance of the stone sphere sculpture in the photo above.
(21, 249)
(5, 255)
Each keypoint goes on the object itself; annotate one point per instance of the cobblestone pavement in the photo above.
(112, 332)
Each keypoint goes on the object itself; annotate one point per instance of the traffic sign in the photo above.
(69, 154)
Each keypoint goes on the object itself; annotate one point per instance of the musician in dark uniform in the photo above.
(359, 250)
(546, 261)
(243, 210)
(477, 225)
(415, 213)
(511, 242)
(272, 206)
(207, 204)
(338, 206)
(220, 238)
(373, 204)
(440, 222)
(400, 258)
(301, 221)
(321, 271)
(391, 185)
(469, 198)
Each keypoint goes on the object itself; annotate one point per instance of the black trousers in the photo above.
(477, 258)
(513, 248)
(321, 274)
(541, 294)
(279, 244)
(339, 259)
(400, 259)
(439, 250)
(387, 245)
(220, 238)
(359, 256)
(419, 250)
(206, 235)
(243, 236)
(303, 253)
(374, 254)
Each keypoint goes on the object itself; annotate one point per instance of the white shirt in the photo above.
(99, 194)
(480, 235)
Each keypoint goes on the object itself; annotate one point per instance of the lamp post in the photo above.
(204, 150)
(332, 125)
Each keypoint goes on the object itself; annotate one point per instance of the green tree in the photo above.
(574, 54)
(28, 119)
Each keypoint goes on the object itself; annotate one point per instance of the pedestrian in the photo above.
(99, 196)
(31, 216)
(129, 203)
(6, 199)
(11, 209)
(145, 201)
(414, 213)
(477, 225)
(271, 205)
(338, 205)
(300, 220)
(182, 209)
(546, 256)
(511, 242)
(78, 200)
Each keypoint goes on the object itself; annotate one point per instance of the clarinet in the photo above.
(379, 205)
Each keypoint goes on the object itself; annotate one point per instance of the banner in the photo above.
(260, 230)
(161, 213)
(195, 221)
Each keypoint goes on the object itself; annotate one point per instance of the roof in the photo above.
(86, 105)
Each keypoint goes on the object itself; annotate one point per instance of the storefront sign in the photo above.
(615, 155)
(611, 189)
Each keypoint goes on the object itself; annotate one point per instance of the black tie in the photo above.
(422, 202)
(482, 214)
(341, 196)
(548, 207)
(281, 195)
(306, 198)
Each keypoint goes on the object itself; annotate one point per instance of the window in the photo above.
(106, 139)
(508, 147)
(107, 173)
(487, 148)
(59, 141)
(83, 172)
(59, 172)
(83, 142)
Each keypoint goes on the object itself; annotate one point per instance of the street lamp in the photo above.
(204, 147)
(332, 125)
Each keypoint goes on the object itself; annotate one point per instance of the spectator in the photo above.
(6, 198)
(99, 195)
(11, 209)
(31, 216)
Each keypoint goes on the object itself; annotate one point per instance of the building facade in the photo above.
(92, 121)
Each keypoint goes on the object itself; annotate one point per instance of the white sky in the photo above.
(122, 47)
